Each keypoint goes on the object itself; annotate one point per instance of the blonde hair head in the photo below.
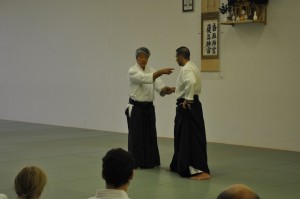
(30, 182)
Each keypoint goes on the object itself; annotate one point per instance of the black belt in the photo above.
(137, 103)
(180, 100)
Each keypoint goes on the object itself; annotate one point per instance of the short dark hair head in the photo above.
(117, 167)
(183, 51)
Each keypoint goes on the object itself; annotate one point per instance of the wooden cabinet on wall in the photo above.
(246, 11)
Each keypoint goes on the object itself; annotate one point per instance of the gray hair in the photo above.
(142, 50)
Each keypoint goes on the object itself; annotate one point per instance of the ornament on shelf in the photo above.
(233, 17)
(255, 16)
(242, 17)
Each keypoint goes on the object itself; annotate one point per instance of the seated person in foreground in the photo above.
(30, 182)
(117, 171)
(238, 191)
(3, 196)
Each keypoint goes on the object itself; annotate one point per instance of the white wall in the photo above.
(65, 62)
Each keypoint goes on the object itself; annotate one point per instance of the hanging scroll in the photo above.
(210, 36)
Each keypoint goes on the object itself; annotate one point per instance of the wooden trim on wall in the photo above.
(210, 6)
(211, 64)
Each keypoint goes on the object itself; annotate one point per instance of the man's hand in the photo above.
(173, 89)
(167, 90)
(166, 71)
(186, 104)
(162, 71)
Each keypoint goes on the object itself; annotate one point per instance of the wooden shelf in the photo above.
(250, 9)
(241, 22)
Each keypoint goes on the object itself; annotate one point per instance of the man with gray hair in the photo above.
(140, 112)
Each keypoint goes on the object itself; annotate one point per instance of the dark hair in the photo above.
(117, 167)
(261, 1)
(183, 51)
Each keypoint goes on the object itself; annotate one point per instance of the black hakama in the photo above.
(142, 136)
(189, 139)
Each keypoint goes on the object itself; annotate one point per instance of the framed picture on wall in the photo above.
(187, 5)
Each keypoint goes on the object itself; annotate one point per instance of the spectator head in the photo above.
(30, 182)
(238, 191)
(117, 168)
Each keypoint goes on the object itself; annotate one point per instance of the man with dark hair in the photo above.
(140, 112)
(190, 156)
(117, 171)
(238, 191)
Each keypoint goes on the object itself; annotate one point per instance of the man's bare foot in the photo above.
(201, 176)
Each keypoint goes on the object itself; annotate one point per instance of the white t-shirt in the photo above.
(3, 196)
(110, 194)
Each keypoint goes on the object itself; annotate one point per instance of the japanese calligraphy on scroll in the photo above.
(210, 35)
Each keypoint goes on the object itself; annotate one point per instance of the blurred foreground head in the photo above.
(238, 191)
(30, 182)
